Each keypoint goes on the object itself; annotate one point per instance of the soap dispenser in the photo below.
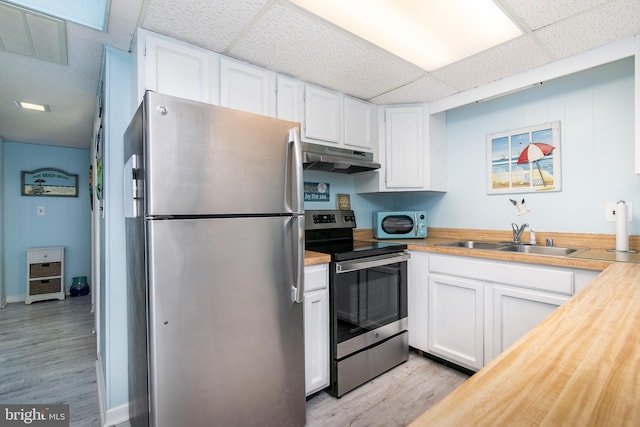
(532, 238)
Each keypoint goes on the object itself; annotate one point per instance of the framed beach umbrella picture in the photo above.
(524, 160)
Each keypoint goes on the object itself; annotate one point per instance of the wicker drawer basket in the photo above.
(47, 286)
(45, 269)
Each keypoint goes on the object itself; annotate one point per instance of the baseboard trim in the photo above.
(118, 416)
(14, 298)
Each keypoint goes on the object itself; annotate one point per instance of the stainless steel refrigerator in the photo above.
(215, 247)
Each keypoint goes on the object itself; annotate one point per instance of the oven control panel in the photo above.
(316, 219)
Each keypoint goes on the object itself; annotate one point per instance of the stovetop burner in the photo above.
(331, 232)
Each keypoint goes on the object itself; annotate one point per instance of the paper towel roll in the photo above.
(622, 236)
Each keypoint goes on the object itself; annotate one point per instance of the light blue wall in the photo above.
(595, 109)
(113, 323)
(362, 204)
(66, 221)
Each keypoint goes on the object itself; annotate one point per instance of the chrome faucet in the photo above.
(517, 231)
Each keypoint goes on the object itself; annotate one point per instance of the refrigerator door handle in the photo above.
(297, 288)
(294, 189)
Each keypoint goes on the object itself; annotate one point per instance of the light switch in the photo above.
(40, 210)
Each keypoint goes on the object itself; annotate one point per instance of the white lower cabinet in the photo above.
(418, 299)
(456, 328)
(316, 327)
(475, 308)
(515, 312)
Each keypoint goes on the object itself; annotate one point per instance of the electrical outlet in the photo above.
(610, 212)
(40, 210)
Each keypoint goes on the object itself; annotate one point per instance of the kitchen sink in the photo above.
(474, 244)
(540, 250)
(511, 247)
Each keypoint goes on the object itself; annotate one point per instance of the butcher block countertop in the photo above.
(593, 251)
(580, 366)
(313, 258)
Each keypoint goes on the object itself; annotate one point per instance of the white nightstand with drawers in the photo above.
(45, 274)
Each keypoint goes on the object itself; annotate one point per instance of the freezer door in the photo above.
(205, 159)
(226, 340)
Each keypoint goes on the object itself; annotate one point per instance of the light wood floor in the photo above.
(393, 399)
(47, 356)
(48, 353)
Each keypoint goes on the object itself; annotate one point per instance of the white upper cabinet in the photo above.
(289, 99)
(360, 118)
(331, 118)
(323, 115)
(247, 88)
(404, 148)
(413, 152)
(171, 67)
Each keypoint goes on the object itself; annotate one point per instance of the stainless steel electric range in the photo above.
(368, 299)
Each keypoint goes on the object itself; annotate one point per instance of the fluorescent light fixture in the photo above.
(31, 106)
(428, 33)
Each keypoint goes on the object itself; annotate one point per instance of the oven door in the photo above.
(368, 302)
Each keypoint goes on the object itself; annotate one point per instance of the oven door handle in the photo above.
(376, 261)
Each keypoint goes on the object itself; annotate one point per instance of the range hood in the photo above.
(334, 159)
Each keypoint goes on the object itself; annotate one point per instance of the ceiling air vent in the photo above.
(33, 34)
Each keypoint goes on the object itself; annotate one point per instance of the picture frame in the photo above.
(316, 192)
(49, 182)
(524, 160)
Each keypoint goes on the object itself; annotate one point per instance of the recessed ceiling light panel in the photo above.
(32, 106)
(428, 33)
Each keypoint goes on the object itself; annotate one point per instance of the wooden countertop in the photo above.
(313, 258)
(580, 366)
(593, 254)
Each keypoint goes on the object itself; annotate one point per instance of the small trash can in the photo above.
(79, 286)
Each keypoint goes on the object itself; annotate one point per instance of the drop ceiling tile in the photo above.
(290, 40)
(509, 58)
(592, 29)
(539, 13)
(425, 89)
(209, 24)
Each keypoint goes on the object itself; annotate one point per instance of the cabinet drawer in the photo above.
(316, 277)
(47, 286)
(510, 273)
(45, 269)
(45, 255)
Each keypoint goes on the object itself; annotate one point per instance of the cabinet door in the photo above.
(289, 99)
(516, 312)
(404, 148)
(322, 115)
(456, 320)
(177, 69)
(316, 340)
(359, 123)
(418, 299)
(247, 88)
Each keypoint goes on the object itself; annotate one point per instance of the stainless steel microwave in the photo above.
(400, 225)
